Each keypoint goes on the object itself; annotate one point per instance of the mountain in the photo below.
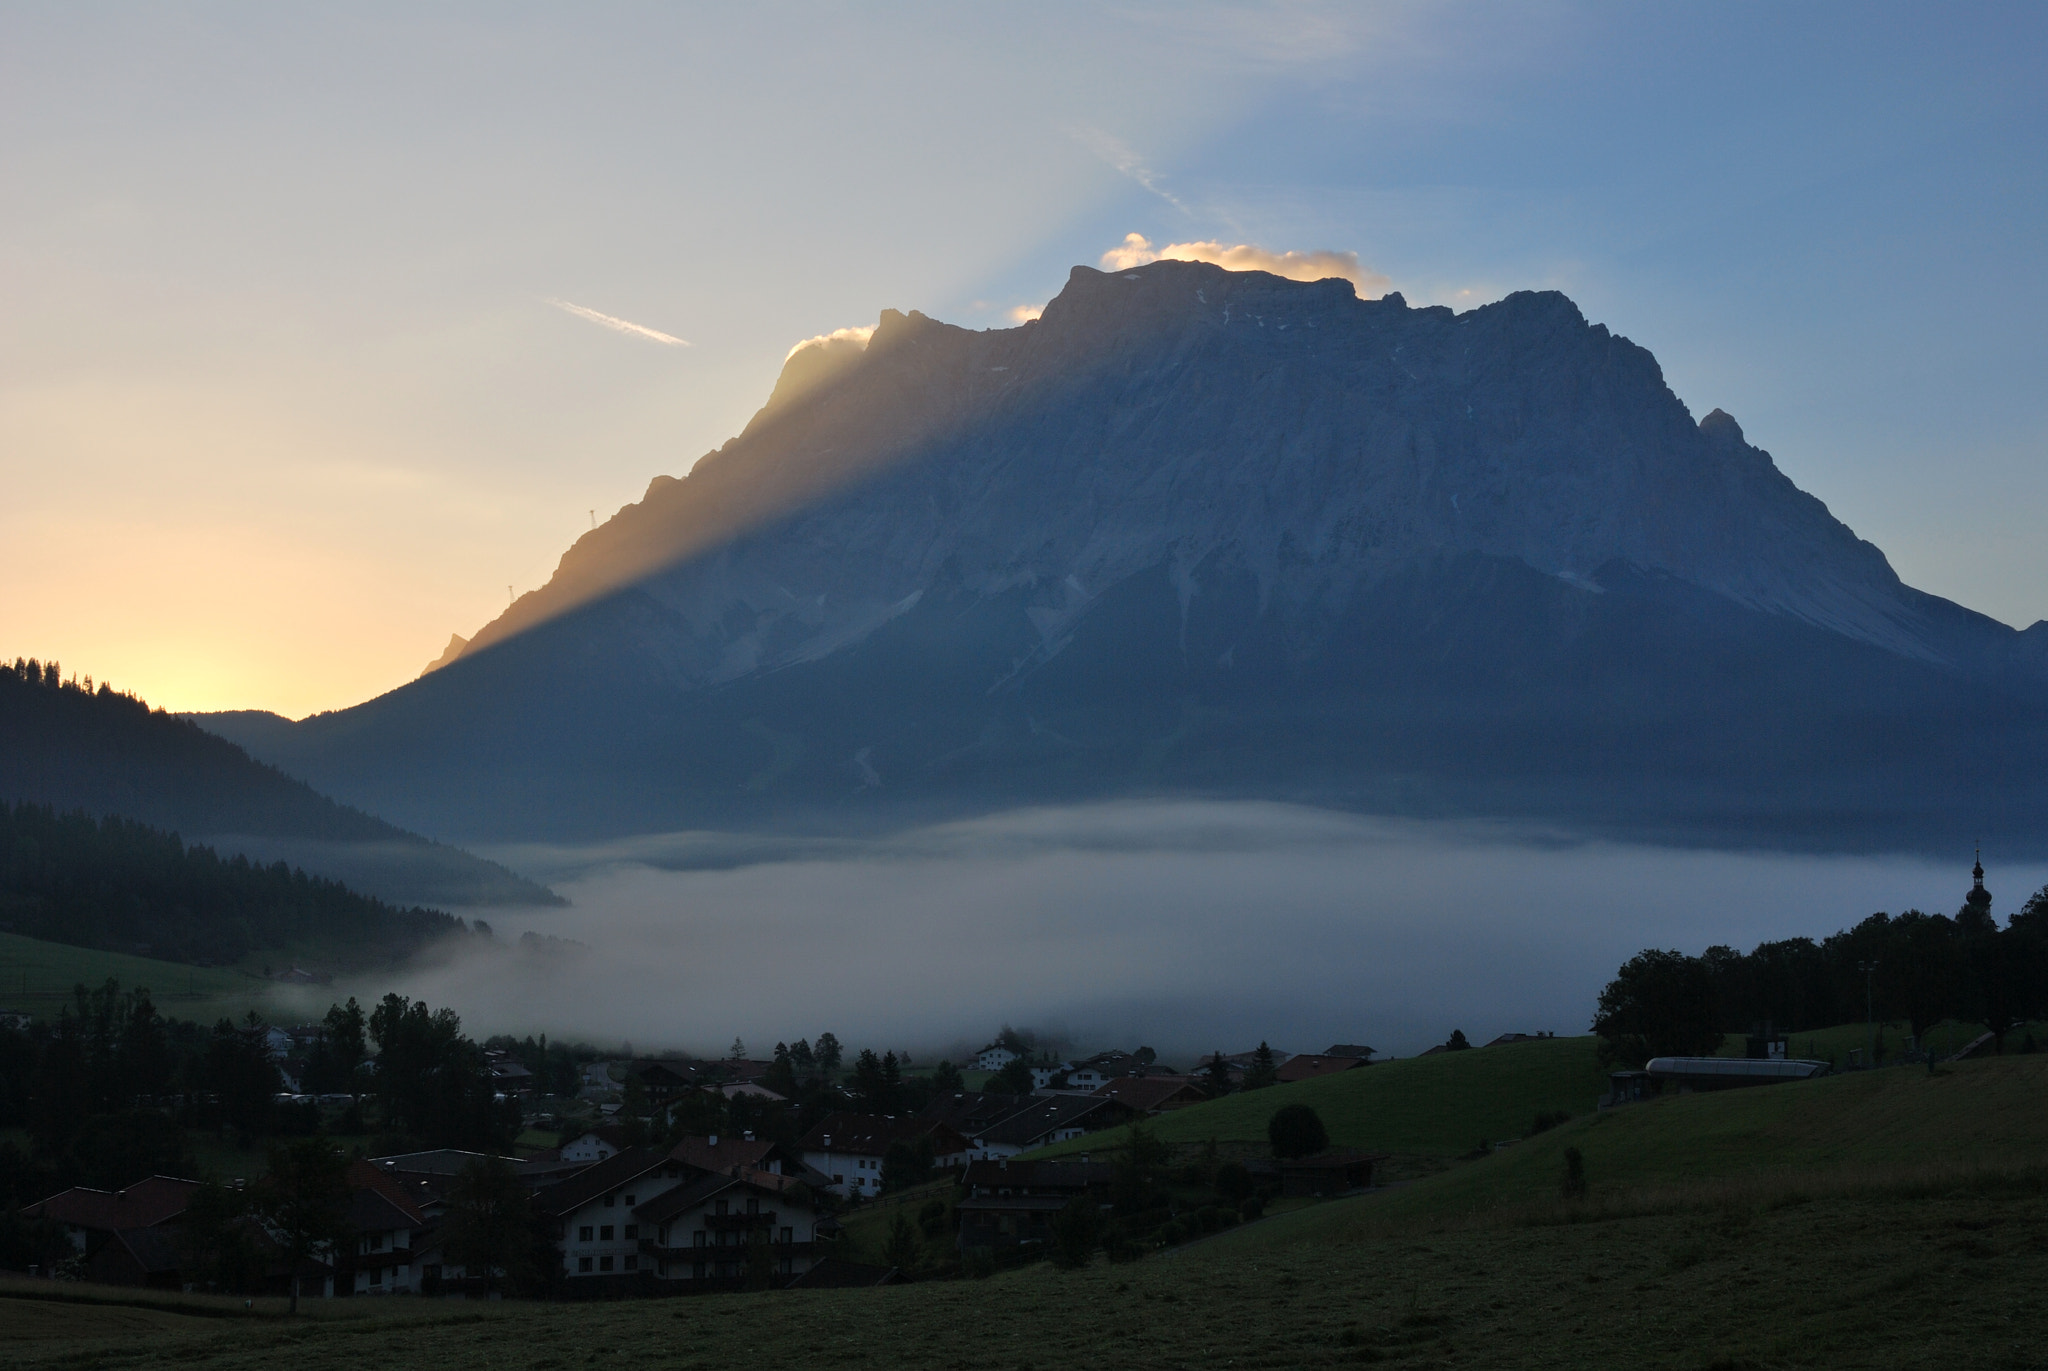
(117, 885)
(1197, 531)
(108, 754)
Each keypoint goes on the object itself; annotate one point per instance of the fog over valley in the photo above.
(1187, 926)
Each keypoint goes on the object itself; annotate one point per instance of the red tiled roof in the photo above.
(730, 1152)
(869, 1135)
(362, 1176)
(1147, 1093)
(144, 1204)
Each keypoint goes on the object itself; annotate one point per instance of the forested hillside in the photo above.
(72, 746)
(116, 884)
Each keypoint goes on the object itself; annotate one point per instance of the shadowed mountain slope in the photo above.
(106, 753)
(1215, 532)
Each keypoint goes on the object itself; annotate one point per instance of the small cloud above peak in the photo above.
(857, 336)
(1136, 250)
(1024, 314)
(617, 325)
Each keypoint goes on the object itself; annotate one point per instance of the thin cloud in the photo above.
(621, 325)
(1024, 314)
(837, 335)
(1120, 156)
(1136, 250)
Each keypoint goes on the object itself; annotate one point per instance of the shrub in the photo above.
(1296, 1130)
(1233, 1182)
(1252, 1207)
(932, 1218)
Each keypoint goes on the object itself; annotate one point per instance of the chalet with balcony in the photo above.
(1011, 1204)
(705, 1234)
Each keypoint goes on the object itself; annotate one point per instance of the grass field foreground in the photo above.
(1933, 1280)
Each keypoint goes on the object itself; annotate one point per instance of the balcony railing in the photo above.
(719, 1223)
(685, 1251)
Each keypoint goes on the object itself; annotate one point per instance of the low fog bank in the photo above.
(1186, 926)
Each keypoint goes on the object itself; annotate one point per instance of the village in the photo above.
(675, 1174)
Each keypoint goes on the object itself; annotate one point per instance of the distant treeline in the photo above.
(1922, 968)
(122, 886)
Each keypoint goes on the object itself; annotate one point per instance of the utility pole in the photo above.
(593, 518)
(1869, 969)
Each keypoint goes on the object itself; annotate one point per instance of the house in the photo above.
(703, 1234)
(970, 1113)
(746, 1153)
(1348, 1050)
(598, 1233)
(1154, 1094)
(385, 1224)
(588, 1148)
(1306, 1068)
(1336, 1172)
(1011, 1203)
(1506, 1038)
(665, 1082)
(595, 1228)
(1049, 1119)
(850, 1148)
(1092, 1073)
(16, 1019)
(993, 1058)
(510, 1077)
(750, 1090)
(126, 1237)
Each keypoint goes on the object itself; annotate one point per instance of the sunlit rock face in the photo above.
(1178, 414)
(1223, 531)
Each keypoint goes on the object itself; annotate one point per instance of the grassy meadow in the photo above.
(1422, 1109)
(39, 977)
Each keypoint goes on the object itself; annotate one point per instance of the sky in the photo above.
(323, 328)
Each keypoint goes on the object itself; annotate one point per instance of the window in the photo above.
(632, 1263)
(583, 1264)
(753, 1206)
(583, 1233)
(376, 1275)
(604, 1263)
(697, 1271)
(376, 1242)
(721, 1208)
(632, 1231)
(838, 1180)
(608, 1200)
(604, 1234)
(629, 1201)
(697, 1238)
(789, 1235)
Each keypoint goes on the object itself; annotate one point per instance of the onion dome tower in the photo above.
(1977, 904)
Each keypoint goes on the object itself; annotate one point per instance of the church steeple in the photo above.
(1977, 904)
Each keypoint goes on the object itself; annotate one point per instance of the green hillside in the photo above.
(38, 977)
(1438, 1106)
(1896, 1126)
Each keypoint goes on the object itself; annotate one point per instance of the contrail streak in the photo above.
(621, 325)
